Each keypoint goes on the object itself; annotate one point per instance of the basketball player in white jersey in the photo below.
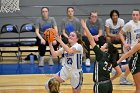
(131, 30)
(72, 68)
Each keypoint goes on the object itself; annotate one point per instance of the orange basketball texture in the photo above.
(49, 35)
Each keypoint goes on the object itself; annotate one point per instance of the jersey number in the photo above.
(69, 61)
(106, 67)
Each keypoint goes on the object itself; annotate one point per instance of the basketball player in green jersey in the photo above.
(134, 64)
(106, 58)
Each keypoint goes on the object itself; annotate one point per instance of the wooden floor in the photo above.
(35, 84)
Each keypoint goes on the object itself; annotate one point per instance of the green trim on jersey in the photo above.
(134, 63)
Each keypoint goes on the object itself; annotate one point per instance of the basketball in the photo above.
(49, 35)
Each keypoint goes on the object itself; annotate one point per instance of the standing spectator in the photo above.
(69, 24)
(95, 26)
(132, 31)
(42, 24)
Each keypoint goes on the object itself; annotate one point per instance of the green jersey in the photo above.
(102, 67)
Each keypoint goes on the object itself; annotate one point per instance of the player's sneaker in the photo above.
(124, 81)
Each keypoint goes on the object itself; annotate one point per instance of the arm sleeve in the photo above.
(100, 23)
(62, 25)
(78, 47)
(37, 24)
(122, 22)
(107, 24)
(98, 53)
(126, 27)
(79, 26)
(114, 60)
(54, 22)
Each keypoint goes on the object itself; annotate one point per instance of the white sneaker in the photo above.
(87, 62)
(41, 61)
(62, 61)
(50, 62)
(124, 81)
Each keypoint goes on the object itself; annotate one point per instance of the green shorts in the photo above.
(103, 87)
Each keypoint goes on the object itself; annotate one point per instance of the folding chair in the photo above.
(9, 37)
(28, 38)
(27, 35)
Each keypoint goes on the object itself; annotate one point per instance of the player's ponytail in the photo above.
(79, 36)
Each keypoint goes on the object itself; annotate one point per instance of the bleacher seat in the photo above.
(9, 35)
(27, 35)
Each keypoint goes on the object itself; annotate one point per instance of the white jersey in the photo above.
(73, 61)
(114, 29)
(132, 31)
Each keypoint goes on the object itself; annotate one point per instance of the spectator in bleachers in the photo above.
(69, 24)
(131, 31)
(113, 26)
(42, 24)
(95, 26)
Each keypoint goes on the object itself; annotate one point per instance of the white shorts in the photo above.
(76, 77)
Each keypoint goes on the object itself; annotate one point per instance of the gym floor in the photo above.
(24, 77)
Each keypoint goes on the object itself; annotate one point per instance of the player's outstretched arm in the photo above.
(86, 30)
(130, 52)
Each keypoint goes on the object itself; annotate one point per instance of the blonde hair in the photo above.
(54, 85)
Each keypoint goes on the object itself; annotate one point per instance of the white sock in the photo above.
(41, 61)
